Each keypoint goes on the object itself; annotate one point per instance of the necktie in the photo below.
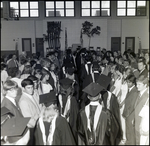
(16, 63)
(89, 65)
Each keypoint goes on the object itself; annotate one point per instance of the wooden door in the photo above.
(130, 43)
(26, 46)
(40, 46)
(115, 44)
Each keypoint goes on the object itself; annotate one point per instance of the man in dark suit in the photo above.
(142, 67)
(129, 108)
(142, 86)
(13, 62)
(9, 101)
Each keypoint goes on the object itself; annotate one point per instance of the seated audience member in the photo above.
(68, 104)
(26, 72)
(13, 62)
(130, 100)
(142, 85)
(4, 73)
(52, 128)
(92, 119)
(44, 85)
(15, 131)
(142, 67)
(10, 89)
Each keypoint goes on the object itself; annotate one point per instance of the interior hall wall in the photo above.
(12, 30)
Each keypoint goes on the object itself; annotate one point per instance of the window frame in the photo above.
(45, 9)
(126, 8)
(95, 8)
(29, 9)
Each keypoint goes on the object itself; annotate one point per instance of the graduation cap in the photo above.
(93, 89)
(103, 80)
(48, 98)
(5, 114)
(66, 83)
(69, 67)
(15, 128)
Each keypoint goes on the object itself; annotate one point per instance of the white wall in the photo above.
(109, 28)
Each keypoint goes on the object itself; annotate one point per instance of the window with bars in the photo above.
(59, 8)
(24, 9)
(95, 8)
(131, 8)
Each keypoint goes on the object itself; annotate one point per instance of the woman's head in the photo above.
(44, 74)
(27, 69)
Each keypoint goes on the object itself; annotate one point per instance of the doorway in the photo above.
(130, 43)
(115, 44)
(26, 46)
(40, 46)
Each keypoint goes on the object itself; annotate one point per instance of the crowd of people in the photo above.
(84, 97)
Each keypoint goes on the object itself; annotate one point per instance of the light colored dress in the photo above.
(46, 88)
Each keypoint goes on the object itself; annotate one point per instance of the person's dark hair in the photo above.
(23, 61)
(68, 51)
(10, 56)
(9, 84)
(143, 79)
(50, 54)
(120, 68)
(27, 69)
(127, 60)
(131, 78)
(3, 65)
(133, 54)
(26, 82)
(44, 73)
(12, 71)
(32, 77)
(44, 61)
(126, 54)
(32, 62)
(141, 59)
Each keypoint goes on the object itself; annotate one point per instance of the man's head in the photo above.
(14, 57)
(93, 90)
(66, 86)
(130, 80)
(142, 83)
(10, 88)
(35, 81)
(28, 86)
(141, 63)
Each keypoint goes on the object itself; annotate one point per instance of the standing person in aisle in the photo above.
(92, 119)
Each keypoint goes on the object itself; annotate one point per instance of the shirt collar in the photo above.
(30, 96)
(142, 70)
(46, 68)
(142, 92)
(11, 99)
(131, 88)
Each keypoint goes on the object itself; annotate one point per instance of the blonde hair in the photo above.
(9, 84)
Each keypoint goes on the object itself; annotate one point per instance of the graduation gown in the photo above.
(62, 134)
(71, 114)
(82, 126)
(114, 134)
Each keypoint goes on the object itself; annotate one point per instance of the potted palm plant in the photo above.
(89, 31)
